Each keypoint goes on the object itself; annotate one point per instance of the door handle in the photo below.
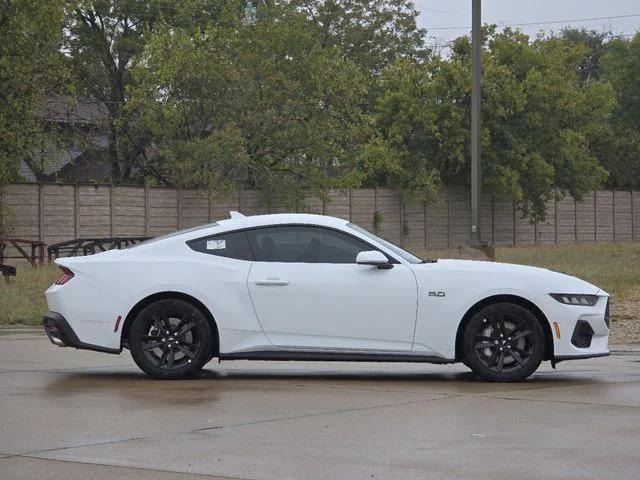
(272, 282)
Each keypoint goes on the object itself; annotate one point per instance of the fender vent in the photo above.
(582, 334)
(607, 315)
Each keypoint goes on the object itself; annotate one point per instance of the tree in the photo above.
(103, 39)
(618, 141)
(261, 103)
(595, 43)
(30, 67)
(372, 33)
(536, 120)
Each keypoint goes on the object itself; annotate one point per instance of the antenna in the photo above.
(235, 214)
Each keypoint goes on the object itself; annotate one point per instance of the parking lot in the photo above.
(74, 414)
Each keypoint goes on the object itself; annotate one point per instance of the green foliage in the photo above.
(30, 64)
(617, 142)
(103, 39)
(536, 120)
(283, 108)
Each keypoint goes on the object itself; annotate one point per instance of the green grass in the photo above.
(613, 267)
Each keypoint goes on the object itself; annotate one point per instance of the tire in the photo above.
(171, 339)
(503, 342)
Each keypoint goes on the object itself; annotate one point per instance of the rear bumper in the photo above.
(61, 334)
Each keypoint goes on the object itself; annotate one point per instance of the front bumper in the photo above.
(61, 334)
(562, 358)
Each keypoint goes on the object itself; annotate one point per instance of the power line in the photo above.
(550, 22)
(449, 12)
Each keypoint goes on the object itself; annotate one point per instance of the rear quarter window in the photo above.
(229, 245)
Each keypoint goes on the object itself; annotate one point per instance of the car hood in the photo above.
(501, 273)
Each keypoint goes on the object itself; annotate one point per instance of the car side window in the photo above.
(229, 245)
(304, 244)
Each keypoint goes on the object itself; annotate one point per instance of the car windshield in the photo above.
(409, 257)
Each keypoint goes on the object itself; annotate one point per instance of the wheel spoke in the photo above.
(151, 346)
(163, 357)
(524, 333)
(159, 324)
(481, 345)
(171, 357)
(496, 327)
(520, 350)
(185, 320)
(500, 364)
(186, 351)
(479, 336)
(186, 328)
(501, 326)
(493, 358)
(517, 357)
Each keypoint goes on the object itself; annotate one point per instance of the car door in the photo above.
(308, 292)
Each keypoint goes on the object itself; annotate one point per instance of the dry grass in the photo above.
(22, 300)
(613, 267)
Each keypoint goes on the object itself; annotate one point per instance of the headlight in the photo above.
(575, 299)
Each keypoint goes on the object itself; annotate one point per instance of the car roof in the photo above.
(239, 222)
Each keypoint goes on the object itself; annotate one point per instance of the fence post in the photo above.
(555, 215)
(595, 216)
(633, 220)
(40, 213)
(76, 211)
(179, 205)
(448, 216)
(210, 207)
(426, 228)
(493, 219)
(350, 204)
(112, 213)
(613, 207)
(147, 210)
(575, 220)
(515, 225)
(401, 222)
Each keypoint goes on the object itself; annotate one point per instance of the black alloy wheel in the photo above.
(170, 339)
(503, 342)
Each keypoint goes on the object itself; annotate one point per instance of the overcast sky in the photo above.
(438, 15)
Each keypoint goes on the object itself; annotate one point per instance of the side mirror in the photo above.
(374, 258)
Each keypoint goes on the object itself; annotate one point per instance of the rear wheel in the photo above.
(503, 342)
(171, 339)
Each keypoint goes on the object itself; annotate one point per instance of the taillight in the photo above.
(64, 277)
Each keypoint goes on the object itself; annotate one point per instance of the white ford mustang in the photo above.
(311, 287)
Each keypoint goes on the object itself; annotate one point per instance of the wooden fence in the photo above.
(54, 212)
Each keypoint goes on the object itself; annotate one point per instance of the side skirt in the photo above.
(333, 357)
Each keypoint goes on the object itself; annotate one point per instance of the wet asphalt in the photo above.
(69, 414)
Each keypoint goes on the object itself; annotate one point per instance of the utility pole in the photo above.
(476, 72)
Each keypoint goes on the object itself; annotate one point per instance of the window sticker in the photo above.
(216, 244)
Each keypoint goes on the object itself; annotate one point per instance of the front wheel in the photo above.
(503, 342)
(170, 339)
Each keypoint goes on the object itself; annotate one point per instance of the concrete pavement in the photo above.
(74, 414)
